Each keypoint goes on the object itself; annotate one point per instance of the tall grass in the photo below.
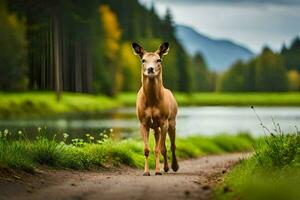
(87, 153)
(272, 173)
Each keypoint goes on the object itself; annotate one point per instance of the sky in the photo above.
(252, 23)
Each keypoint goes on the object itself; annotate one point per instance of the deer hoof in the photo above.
(158, 173)
(175, 167)
(146, 174)
(166, 169)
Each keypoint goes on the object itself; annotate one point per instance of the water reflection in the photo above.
(122, 123)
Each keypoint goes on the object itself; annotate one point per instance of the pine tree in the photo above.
(291, 55)
(168, 26)
(270, 73)
(202, 76)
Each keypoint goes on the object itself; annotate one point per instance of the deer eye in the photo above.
(143, 60)
(158, 60)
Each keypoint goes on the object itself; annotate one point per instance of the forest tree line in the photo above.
(268, 71)
(71, 45)
(79, 46)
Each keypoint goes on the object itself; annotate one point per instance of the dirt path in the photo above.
(194, 180)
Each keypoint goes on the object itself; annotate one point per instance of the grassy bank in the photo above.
(31, 104)
(87, 153)
(272, 173)
(227, 99)
(36, 104)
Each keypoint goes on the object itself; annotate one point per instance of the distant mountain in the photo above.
(219, 54)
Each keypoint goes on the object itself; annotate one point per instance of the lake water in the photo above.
(123, 123)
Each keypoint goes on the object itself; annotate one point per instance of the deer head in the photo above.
(151, 61)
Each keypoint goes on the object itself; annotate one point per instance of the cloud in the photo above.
(255, 24)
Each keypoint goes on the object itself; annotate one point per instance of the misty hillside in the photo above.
(219, 54)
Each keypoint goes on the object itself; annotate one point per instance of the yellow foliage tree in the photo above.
(294, 80)
(112, 32)
(130, 67)
(111, 46)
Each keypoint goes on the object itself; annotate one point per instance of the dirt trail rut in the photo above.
(194, 180)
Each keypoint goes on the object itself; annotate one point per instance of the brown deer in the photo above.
(156, 107)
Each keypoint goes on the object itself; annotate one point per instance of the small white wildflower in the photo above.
(20, 132)
(5, 131)
(39, 129)
(99, 141)
(65, 135)
(111, 130)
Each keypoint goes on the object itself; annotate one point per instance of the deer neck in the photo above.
(153, 89)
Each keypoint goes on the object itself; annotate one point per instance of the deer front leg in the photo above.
(162, 146)
(157, 151)
(163, 149)
(145, 135)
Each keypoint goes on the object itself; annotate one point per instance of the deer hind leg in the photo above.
(172, 135)
(145, 134)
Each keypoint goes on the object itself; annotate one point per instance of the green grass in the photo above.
(24, 154)
(32, 104)
(272, 173)
(227, 99)
(36, 104)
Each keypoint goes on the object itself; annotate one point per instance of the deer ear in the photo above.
(137, 49)
(163, 49)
